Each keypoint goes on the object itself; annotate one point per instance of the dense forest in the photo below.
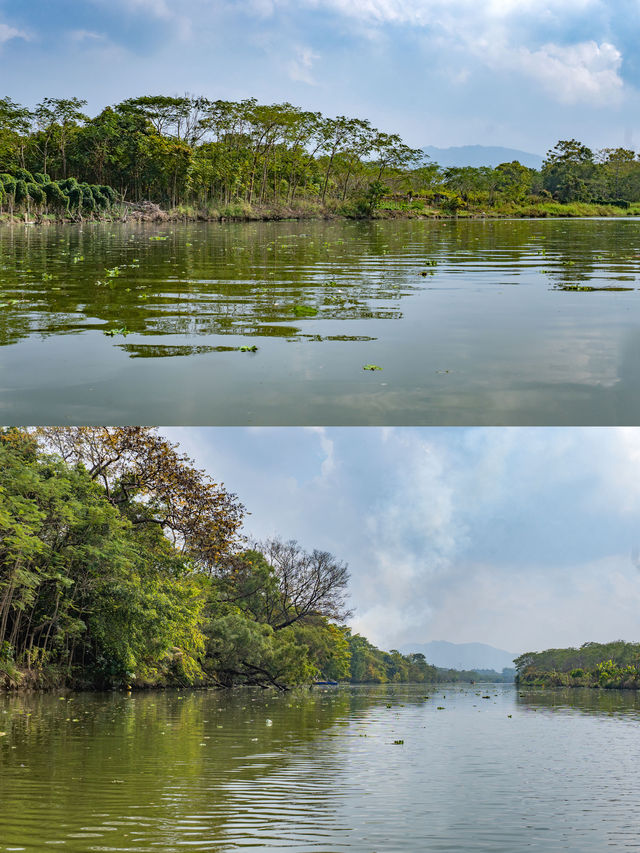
(123, 564)
(608, 665)
(242, 158)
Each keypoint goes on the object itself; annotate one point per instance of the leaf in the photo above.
(371, 367)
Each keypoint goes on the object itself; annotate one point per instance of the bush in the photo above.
(21, 192)
(88, 201)
(68, 184)
(36, 193)
(56, 199)
(75, 197)
(24, 175)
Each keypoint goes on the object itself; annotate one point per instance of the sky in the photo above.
(524, 539)
(516, 73)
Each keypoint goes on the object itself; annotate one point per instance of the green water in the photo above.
(319, 771)
(485, 336)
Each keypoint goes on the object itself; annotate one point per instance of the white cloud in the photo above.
(7, 33)
(179, 13)
(497, 34)
(521, 538)
(86, 35)
(586, 71)
(445, 14)
(299, 68)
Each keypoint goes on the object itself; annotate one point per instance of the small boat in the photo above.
(326, 682)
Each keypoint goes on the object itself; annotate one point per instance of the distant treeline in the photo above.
(233, 155)
(123, 564)
(606, 665)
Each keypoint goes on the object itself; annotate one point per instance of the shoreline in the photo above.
(148, 212)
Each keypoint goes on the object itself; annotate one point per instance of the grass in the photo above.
(312, 208)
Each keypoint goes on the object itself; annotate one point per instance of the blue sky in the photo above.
(441, 72)
(520, 538)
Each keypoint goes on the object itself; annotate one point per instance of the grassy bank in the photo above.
(241, 211)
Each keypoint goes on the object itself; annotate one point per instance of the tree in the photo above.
(15, 124)
(514, 180)
(57, 118)
(567, 170)
(81, 591)
(151, 483)
(308, 583)
(618, 164)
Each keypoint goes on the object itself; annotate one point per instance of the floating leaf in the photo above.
(304, 311)
(371, 367)
(113, 332)
(252, 348)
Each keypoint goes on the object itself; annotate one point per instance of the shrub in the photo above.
(24, 175)
(56, 199)
(35, 192)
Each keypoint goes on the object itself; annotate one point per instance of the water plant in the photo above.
(304, 311)
(371, 367)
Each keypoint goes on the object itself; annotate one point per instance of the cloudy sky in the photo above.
(520, 73)
(520, 538)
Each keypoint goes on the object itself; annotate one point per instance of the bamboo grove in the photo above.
(122, 564)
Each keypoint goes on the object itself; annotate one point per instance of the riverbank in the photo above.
(612, 666)
(241, 211)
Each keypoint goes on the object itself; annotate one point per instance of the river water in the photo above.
(480, 768)
(469, 322)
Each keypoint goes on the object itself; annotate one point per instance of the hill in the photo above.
(481, 155)
(462, 655)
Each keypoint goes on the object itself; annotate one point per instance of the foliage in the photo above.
(606, 665)
(193, 151)
(83, 593)
(149, 481)
(122, 564)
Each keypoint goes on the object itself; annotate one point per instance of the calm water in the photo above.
(485, 336)
(199, 771)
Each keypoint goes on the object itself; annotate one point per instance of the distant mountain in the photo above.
(461, 655)
(481, 155)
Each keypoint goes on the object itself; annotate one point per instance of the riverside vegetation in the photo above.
(122, 564)
(199, 158)
(604, 665)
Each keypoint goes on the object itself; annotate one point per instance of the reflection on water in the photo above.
(472, 322)
(484, 768)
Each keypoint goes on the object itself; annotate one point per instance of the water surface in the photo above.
(480, 769)
(470, 322)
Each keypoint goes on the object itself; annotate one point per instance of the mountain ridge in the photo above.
(481, 155)
(461, 655)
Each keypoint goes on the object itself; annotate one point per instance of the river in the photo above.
(469, 321)
(478, 768)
